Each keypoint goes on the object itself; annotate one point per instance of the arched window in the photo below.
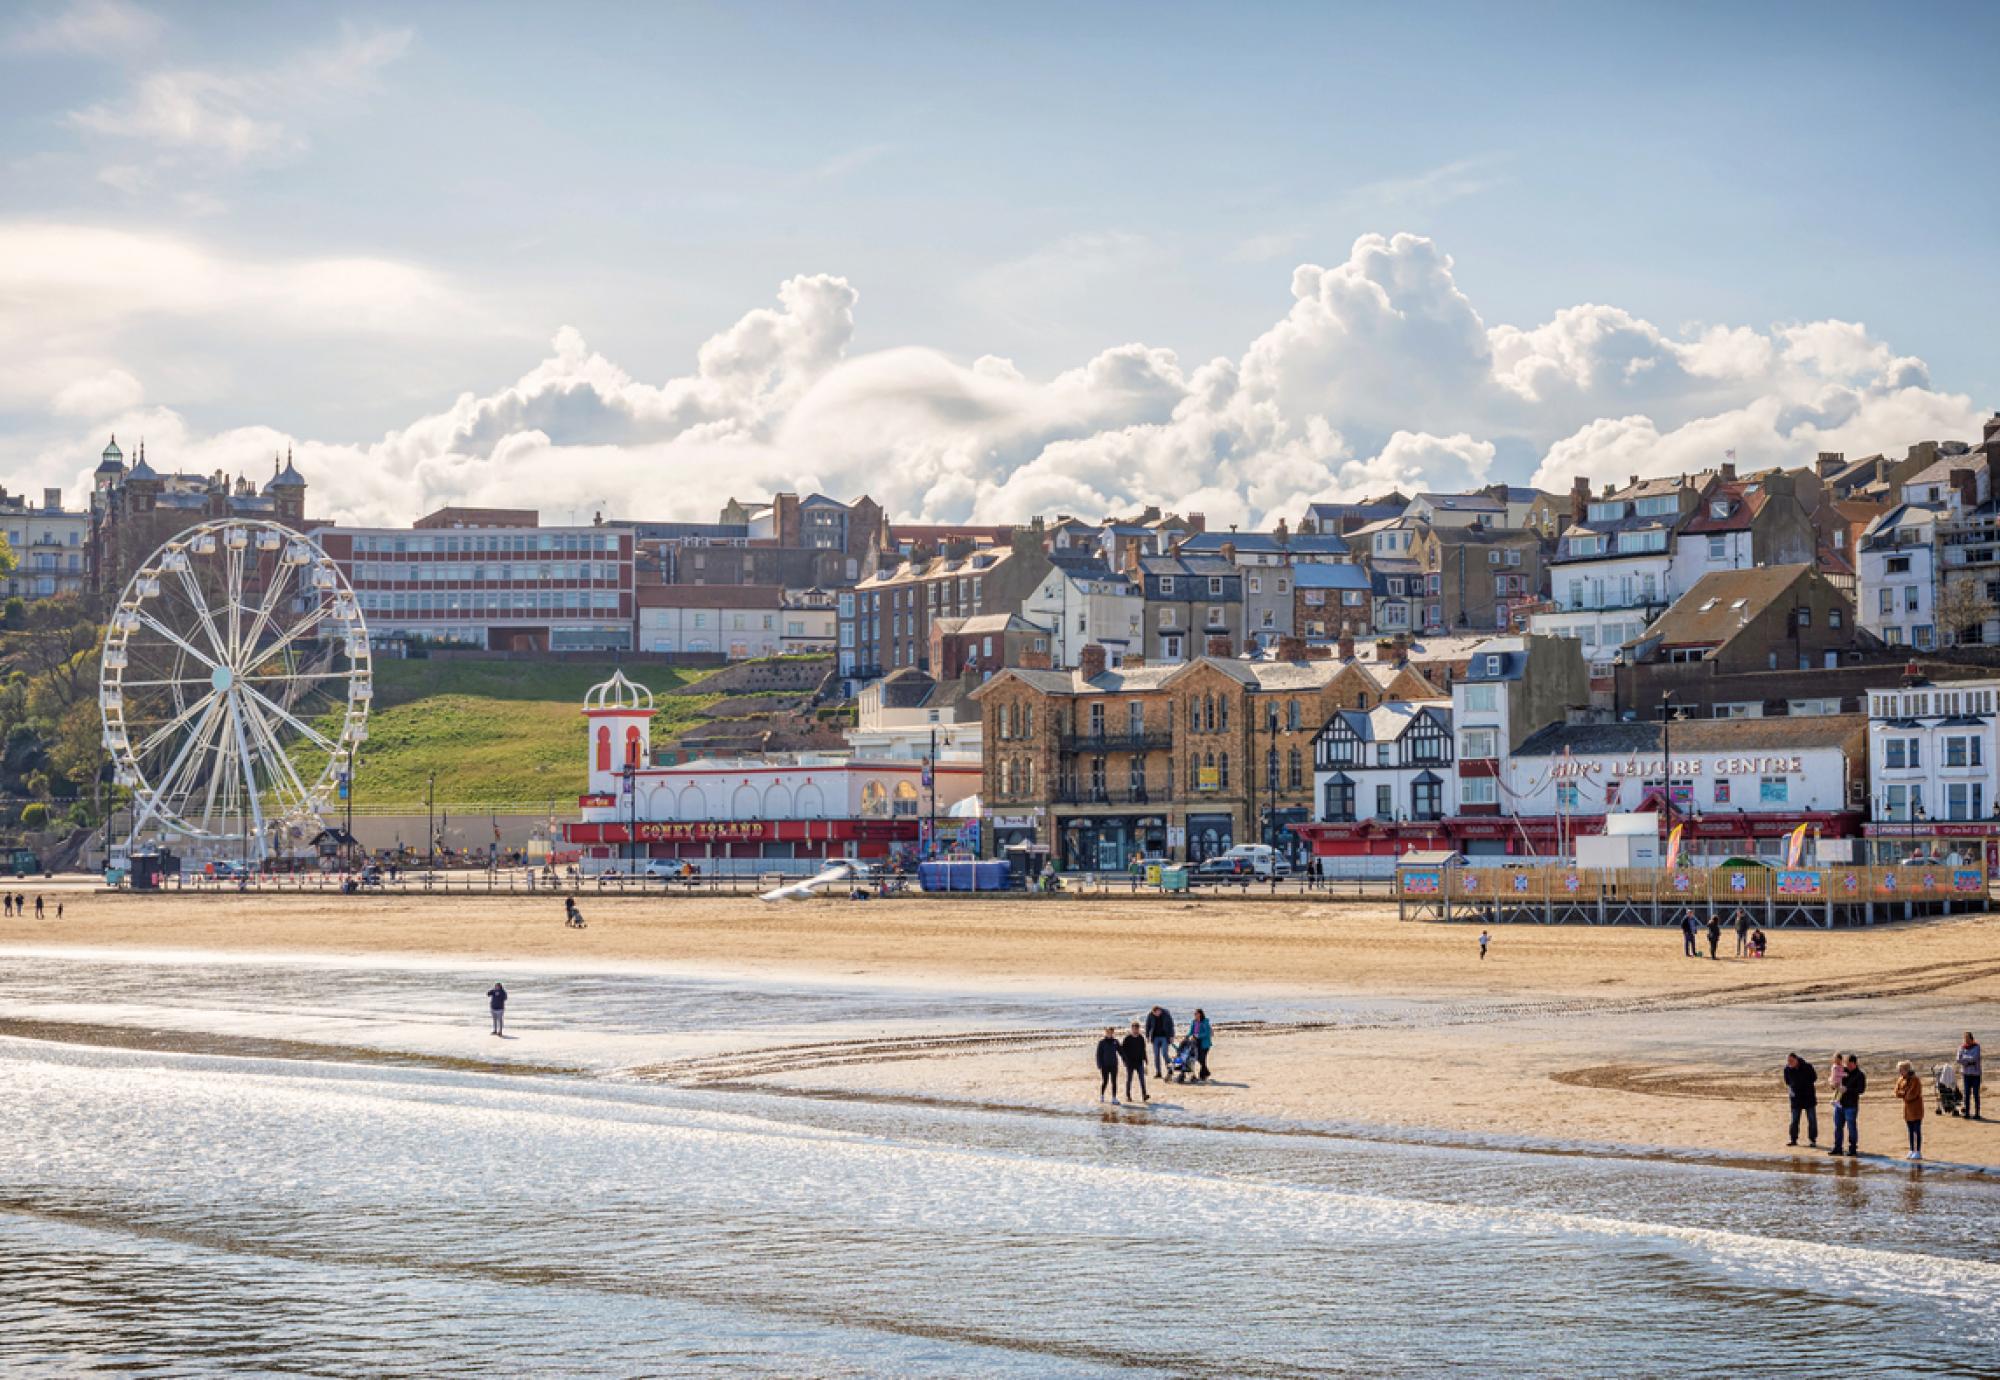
(1225, 713)
(1271, 770)
(1222, 770)
(874, 800)
(603, 748)
(1292, 715)
(1295, 770)
(632, 746)
(906, 799)
(1207, 713)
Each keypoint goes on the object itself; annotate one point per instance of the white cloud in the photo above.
(101, 395)
(1381, 374)
(88, 28)
(204, 119)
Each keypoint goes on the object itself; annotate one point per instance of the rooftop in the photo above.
(1700, 735)
(1721, 604)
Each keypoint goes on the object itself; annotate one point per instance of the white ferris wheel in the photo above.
(235, 686)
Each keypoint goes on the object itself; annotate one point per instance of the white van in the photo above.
(1263, 860)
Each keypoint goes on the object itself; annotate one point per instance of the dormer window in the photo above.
(1719, 508)
(1492, 665)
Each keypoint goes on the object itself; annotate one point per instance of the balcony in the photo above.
(1116, 742)
(1084, 793)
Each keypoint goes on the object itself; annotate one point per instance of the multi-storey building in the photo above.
(1612, 572)
(1386, 764)
(884, 622)
(736, 621)
(1194, 606)
(1897, 572)
(1330, 602)
(1740, 524)
(133, 510)
(1934, 762)
(1476, 578)
(1181, 760)
(464, 577)
(51, 546)
(1081, 601)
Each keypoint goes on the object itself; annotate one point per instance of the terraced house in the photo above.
(1099, 764)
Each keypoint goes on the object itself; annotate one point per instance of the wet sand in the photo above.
(1563, 1034)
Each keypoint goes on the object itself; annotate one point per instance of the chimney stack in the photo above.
(1133, 661)
(1830, 462)
(1579, 499)
(1291, 647)
(1345, 647)
(1729, 471)
(1229, 552)
(1385, 651)
(1197, 522)
(1219, 645)
(1091, 662)
(1966, 485)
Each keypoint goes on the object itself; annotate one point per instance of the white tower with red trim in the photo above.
(620, 715)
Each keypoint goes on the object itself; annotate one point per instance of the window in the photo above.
(1492, 665)
(1382, 755)
(1168, 617)
(1963, 800)
(1833, 618)
(1166, 584)
(1961, 752)
(1887, 600)
(1215, 586)
(1215, 619)
(1427, 797)
(1256, 585)
(1773, 790)
(1479, 744)
(1339, 803)
(1395, 584)
(1271, 770)
(1568, 796)
(1722, 790)
(1481, 698)
(1385, 802)
(1805, 618)
(1493, 556)
(1294, 770)
(1718, 548)
(1909, 598)
(1478, 790)
(1222, 772)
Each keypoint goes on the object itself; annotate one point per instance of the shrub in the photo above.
(35, 816)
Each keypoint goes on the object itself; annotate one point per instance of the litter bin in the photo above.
(1173, 879)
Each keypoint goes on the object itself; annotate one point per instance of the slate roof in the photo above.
(1513, 654)
(1719, 605)
(1464, 503)
(1329, 577)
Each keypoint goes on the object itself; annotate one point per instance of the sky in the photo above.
(986, 261)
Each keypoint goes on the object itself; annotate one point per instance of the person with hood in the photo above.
(1133, 1050)
(1802, 1083)
(1847, 1106)
(1687, 935)
(1968, 1074)
(1107, 1065)
(1160, 1034)
(1910, 1088)
(1203, 1035)
(496, 997)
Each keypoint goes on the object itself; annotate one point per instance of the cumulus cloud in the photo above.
(87, 28)
(1381, 374)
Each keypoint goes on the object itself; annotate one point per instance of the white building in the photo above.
(810, 620)
(1613, 572)
(1896, 572)
(906, 714)
(739, 621)
(1933, 753)
(1392, 762)
(1085, 601)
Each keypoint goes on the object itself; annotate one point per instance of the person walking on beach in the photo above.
(59, 906)
(1802, 1082)
(1910, 1088)
(1133, 1050)
(38, 907)
(572, 917)
(1160, 1034)
(1107, 1065)
(1968, 1078)
(1847, 1106)
(1714, 936)
(496, 997)
(7, 904)
(1742, 932)
(1687, 935)
(1484, 940)
(1203, 1035)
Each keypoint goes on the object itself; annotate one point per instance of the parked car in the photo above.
(1263, 860)
(1224, 868)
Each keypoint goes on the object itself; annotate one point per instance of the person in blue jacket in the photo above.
(1203, 1035)
(496, 997)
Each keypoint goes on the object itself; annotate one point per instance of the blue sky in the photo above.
(323, 224)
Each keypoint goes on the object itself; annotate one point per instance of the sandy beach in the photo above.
(1562, 1035)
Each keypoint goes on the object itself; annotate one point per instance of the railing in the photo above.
(1083, 793)
(1698, 886)
(1116, 742)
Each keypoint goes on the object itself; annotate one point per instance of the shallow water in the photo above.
(171, 1212)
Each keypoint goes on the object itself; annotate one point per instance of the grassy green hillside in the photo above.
(495, 732)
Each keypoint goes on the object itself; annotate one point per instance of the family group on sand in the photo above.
(16, 904)
(1846, 1081)
(1751, 941)
(1186, 1060)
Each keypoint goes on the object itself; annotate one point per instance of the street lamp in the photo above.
(430, 819)
(1667, 750)
(631, 810)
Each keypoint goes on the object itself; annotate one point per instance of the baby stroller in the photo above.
(1184, 1065)
(1950, 1097)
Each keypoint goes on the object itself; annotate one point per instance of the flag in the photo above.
(1730, 453)
(1674, 846)
(1798, 847)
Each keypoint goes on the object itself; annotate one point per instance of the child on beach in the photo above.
(1484, 940)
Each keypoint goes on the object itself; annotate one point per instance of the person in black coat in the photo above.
(1133, 1048)
(1847, 1108)
(496, 998)
(1714, 935)
(1107, 1065)
(1802, 1083)
(1687, 935)
(1160, 1035)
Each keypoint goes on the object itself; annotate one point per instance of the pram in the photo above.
(1950, 1096)
(1184, 1065)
